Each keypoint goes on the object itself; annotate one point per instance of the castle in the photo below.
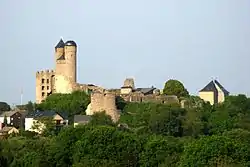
(64, 78)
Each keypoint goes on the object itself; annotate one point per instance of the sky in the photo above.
(151, 41)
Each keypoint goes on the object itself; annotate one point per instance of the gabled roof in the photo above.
(60, 44)
(37, 114)
(145, 90)
(210, 87)
(81, 118)
(8, 113)
(221, 87)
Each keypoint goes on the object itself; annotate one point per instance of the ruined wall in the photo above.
(129, 82)
(103, 101)
(45, 82)
(139, 97)
(88, 88)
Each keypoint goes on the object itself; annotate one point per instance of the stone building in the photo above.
(64, 78)
(213, 93)
(151, 94)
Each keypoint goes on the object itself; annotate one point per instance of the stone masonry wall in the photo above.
(45, 82)
(103, 101)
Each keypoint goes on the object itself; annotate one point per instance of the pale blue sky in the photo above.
(150, 40)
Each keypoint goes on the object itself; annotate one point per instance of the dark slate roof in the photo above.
(209, 87)
(60, 44)
(37, 114)
(127, 87)
(221, 87)
(144, 90)
(70, 43)
(81, 118)
(8, 113)
(61, 57)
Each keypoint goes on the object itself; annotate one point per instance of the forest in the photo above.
(147, 135)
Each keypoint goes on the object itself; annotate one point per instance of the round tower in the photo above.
(70, 49)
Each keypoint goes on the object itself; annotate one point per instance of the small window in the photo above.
(43, 80)
(43, 94)
(47, 87)
(47, 80)
(42, 87)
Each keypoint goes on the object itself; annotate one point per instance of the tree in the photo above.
(175, 87)
(29, 106)
(167, 121)
(4, 107)
(46, 126)
(74, 103)
(160, 151)
(101, 118)
(215, 151)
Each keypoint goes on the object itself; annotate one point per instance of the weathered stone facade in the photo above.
(45, 84)
(63, 79)
(103, 101)
(131, 94)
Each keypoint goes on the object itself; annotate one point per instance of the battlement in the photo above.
(45, 73)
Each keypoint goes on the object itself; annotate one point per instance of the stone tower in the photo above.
(103, 101)
(65, 78)
(61, 80)
(129, 82)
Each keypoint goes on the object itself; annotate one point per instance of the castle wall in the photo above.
(63, 84)
(126, 90)
(44, 84)
(103, 101)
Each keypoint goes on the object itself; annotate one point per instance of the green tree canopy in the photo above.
(101, 118)
(175, 87)
(4, 107)
(29, 106)
(215, 151)
(74, 103)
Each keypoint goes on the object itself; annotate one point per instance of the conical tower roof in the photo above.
(60, 44)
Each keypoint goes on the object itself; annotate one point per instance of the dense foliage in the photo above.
(4, 107)
(74, 103)
(175, 87)
(156, 135)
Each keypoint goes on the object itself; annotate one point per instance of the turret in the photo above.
(59, 50)
(70, 50)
